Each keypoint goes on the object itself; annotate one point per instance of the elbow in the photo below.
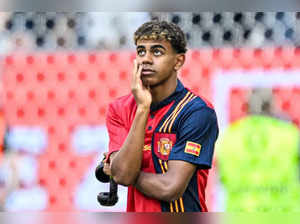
(171, 197)
(122, 176)
(171, 193)
(123, 180)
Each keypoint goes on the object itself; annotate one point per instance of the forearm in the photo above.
(126, 164)
(158, 186)
(168, 186)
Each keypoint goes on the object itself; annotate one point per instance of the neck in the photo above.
(162, 91)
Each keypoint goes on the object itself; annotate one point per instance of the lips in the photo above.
(146, 71)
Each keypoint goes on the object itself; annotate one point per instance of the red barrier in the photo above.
(58, 91)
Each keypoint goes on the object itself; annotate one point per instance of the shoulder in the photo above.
(199, 105)
(197, 112)
(122, 103)
(121, 110)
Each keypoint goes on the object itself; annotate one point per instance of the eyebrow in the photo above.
(152, 47)
(157, 46)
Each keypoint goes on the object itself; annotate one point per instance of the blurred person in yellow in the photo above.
(258, 159)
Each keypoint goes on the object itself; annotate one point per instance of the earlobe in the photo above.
(180, 62)
(177, 66)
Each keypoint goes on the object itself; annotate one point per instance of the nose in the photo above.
(147, 59)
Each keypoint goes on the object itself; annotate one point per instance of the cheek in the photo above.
(169, 65)
(165, 65)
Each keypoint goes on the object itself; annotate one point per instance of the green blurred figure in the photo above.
(258, 160)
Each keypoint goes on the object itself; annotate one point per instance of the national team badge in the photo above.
(163, 143)
(164, 146)
(192, 148)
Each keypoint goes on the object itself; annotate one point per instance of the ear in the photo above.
(180, 59)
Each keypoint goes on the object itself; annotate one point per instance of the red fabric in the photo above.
(119, 118)
(118, 121)
(202, 181)
(170, 140)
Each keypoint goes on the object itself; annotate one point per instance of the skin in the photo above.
(154, 78)
(125, 164)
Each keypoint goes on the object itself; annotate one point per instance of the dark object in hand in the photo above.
(100, 175)
(109, 198)
(106, 198)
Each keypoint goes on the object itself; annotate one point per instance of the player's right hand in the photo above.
(106, 166)
(106, 169)
(141, 93)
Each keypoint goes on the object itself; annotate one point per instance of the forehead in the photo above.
(150, 43)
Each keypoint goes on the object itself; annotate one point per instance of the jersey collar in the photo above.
(177, 93)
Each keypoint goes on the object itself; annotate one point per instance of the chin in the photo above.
(148, 82)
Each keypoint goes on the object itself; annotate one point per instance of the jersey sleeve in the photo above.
(195, 138)
(116, 129)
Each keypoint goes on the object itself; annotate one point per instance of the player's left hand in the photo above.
(140, 92)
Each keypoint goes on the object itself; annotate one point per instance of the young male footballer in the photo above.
(162, 135)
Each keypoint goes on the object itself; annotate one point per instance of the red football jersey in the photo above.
(181, 127)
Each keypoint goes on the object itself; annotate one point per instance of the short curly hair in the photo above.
(162, 30)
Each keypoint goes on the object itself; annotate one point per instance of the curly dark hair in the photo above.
(162, 30)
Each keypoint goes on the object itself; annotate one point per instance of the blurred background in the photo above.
(59, 71)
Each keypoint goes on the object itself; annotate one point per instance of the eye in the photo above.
(141, 52)
(157, 52)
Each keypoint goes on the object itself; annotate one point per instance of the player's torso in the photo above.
(160, 137)
(137, 202)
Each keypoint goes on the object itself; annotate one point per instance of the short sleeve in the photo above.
(196, 135)
(117, 131)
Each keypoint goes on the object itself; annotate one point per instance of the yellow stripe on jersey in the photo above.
(166, 165)
(176, 206)
(181, 204)
(167, 126)
(170, 116)
(176, 112)
(171, 207)
(163, 171)
(180, 199)
(161, 166)
(175, 116)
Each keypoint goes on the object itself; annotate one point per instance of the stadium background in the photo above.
(60, 70)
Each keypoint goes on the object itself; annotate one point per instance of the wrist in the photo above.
(143, 109)
(112, 155)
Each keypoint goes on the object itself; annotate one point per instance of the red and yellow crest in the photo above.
(164, 146)
(163, 143)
